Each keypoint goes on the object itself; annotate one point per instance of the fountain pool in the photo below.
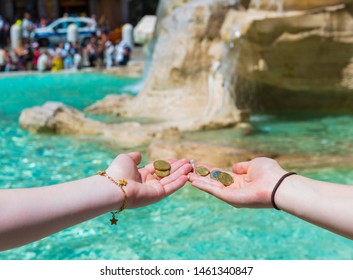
(188, 225)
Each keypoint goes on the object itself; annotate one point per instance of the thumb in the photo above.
(135, 156)
(241, 167)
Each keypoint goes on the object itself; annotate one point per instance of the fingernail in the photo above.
(192, 163)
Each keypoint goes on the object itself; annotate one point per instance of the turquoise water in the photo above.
(189, 224)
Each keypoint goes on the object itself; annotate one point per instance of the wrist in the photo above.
(272, 179)
(112, 196)
(293, 194)
(277, 186)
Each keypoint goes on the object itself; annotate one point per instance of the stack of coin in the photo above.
(162, 168)
(222, 177)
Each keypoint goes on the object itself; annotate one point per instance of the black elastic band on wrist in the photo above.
(276, 188)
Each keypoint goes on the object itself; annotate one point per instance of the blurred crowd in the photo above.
(98, 52)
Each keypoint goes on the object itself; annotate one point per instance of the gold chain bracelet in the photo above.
(122, 183)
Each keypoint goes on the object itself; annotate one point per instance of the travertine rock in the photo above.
(134, 69)
(290, 5)
(143, 32)
(179, 86)
(56, 117)
(211, 62)
(111, 104)
(293, 60)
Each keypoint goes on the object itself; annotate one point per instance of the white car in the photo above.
(57, 31)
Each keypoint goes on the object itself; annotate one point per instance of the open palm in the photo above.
(143, 186)
(253, 183)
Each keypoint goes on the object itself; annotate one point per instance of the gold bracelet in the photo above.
(120, 184)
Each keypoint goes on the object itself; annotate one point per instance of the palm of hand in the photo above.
(143, 187)
(253, 183)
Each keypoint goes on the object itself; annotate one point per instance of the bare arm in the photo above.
(27, 215)
(324, 204)
(30, 214)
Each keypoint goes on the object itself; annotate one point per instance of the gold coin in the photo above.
(225, 179)
(215, 173)
(201, 170)
(162, 173)
(161, 165)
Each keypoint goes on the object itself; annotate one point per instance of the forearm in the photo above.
(27, 215)
(324, 204)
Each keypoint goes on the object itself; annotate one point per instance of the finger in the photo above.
(136, 157)
(241, 167)
(176, 165)
(209, 182)
(209, 186)
(193, 176)
(144, 173)
(182, 171)
(171, 160)
(173, 186)
(149, 167)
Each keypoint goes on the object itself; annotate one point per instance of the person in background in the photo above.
(60, 48)
(57, 62)
(8, 61)
(103, 25)
(44, 62)
(101, 51)
(94, 26)
(51, 49)
(109, 54)
(29, 57)
(122, 51)
(91, 51)
(2, 33)
(77, 56)
(6, 30)
(36, 54)
(2, 60)
(42, 22)
(21, 53)
(27, 28)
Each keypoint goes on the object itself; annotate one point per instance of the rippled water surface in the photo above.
(189, 224)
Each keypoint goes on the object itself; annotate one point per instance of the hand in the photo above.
(143, 187)
(253, 183)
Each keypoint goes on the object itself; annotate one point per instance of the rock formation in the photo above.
(294, 5)
(212, 62)
(179, 86)
(297, 60)
(55, 117)
(112, 104)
